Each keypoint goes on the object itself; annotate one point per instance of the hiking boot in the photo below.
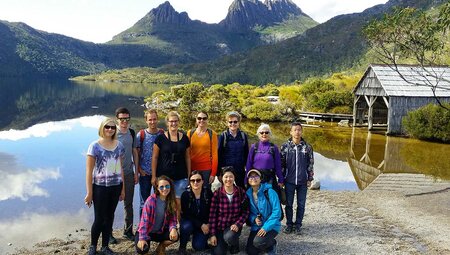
(273, 249)
(161, 249)
(107, 251)
(129, 236)
(298, 231)
(112, 239)
(92, 250)
(182, 251)
(234, 249)
(288, 230)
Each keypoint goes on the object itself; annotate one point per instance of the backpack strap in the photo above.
(133, 134)
(141, 140)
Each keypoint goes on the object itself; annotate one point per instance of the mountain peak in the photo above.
(246, 14)
(165, 13)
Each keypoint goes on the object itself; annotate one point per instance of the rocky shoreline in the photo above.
(335, 223)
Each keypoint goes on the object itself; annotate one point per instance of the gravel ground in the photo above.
(335, 223)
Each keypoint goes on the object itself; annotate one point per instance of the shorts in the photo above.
(180, 187)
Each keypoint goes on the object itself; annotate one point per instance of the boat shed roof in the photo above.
(416, 81)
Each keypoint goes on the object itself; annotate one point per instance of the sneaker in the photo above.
(234, 249)
(273, 249)
(288, 230)
(112, 239)
(92, 250)
(129, 236)
(107, 251)
(298, 231)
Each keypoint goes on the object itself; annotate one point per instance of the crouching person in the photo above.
(265, 213)
(159, 219)
(229, 211)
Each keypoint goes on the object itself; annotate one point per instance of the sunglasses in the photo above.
(264, 132)
(164, 187)
(254, 177)
(173, 121)
(195, 180)
(110, 127)
(124, 119)
(202, 118)
(233, 122)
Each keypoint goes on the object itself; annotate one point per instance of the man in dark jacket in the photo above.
(297, 162)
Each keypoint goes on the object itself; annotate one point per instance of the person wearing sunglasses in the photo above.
(204, 157)
(264, 218)
(127, 137)
(159, 219)
(104, 183)
(228, 213)
(265, 157)
(195, 206)
(171, 156)
(233, 147)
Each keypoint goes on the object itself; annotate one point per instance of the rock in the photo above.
(315, 185)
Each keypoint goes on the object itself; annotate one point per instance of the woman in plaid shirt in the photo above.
(159, 218)
(229, 211)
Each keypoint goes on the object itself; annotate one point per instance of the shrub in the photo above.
(430, 122)
(262, 111)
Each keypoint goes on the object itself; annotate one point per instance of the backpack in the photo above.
(142, 138)
(225, 137)
(266, 194)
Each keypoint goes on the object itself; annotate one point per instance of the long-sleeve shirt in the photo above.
(233, 151)
(297, 161)
(204, 152)
(197, 213)
(265, 158)
(148, 219)
(224, 213)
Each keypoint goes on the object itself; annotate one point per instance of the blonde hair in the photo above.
(150, 111)
(173, 114)
(101, 129)
(264, 126)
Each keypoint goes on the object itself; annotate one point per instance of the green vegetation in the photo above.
(145, 75)
(321, 95)
(430, 122)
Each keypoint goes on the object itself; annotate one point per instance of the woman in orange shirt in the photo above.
(204, 157)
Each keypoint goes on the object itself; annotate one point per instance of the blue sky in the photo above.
(99, 20)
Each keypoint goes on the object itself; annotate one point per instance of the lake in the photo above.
(47, 126)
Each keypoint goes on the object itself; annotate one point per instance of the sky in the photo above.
(99, 20)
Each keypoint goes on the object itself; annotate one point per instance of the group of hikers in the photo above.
(175, 170)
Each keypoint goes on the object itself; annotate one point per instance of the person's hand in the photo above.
(122, 195)
(213, 240)
(281, 185)
(234, 228)
(173, 235)
(141, 244)
(136, 178)
(308, 184)
(205, 228)
(153, 181)
(258, 221)
(88, 200)
(261, 233)
(211, 179)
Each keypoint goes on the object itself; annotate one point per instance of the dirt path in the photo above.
(339, 223)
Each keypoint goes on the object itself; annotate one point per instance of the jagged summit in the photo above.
(166, 14)
(246, 14)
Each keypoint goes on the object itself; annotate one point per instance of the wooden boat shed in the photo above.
(383, 96)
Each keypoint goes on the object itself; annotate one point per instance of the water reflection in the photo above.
(22, 183)
(372, 154)
(30, 228)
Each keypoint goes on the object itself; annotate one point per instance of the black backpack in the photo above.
(266, 194)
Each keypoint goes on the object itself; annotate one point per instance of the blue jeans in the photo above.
(199, 240)
(301, 202)
(145, 188)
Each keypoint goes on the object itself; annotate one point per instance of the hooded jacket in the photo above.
(269, 210)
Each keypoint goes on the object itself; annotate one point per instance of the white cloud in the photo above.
(25, 184)
(45, 129)
(330, 169)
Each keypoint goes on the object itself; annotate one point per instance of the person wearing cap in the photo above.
(297, 160)
(228, 213)
(265, 213)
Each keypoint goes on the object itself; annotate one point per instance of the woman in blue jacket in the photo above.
(265, 213)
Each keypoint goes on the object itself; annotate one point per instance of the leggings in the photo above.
(105, 203)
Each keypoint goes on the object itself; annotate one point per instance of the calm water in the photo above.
(46, 127)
